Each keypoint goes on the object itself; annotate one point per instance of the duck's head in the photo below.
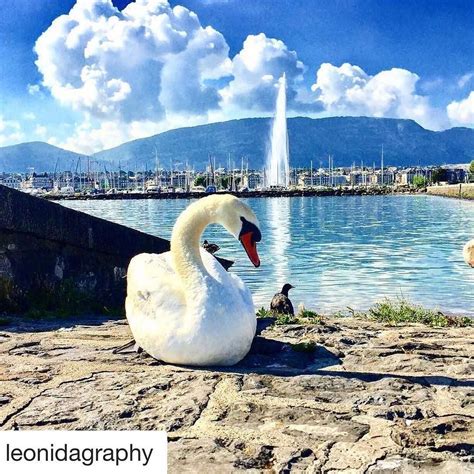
(239, 219)
(468, 253)
(286, 288)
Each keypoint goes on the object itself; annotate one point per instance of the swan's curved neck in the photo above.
(185, 243)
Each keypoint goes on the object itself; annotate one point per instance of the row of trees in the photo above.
(223, 182)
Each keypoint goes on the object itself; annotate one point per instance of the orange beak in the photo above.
(250, 246)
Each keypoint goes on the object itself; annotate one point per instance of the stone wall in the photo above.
(461, 191)
(56, 259)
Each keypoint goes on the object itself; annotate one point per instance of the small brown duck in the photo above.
(281, 304)
(210, 247)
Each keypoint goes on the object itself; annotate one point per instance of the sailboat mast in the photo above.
(381, 159)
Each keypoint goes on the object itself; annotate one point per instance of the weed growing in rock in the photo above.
(309, 346)
(400, 311)
(304, 316)
(264, 313)
(282, 319)
(308, 316)
(388, 311)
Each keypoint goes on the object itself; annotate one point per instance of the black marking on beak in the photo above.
(249, 227)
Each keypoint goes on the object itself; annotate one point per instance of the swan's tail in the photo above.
(129, 344)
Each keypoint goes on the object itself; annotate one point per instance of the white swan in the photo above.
(468, 253)
(182, 306)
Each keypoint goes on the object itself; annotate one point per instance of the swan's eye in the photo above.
(248, 227)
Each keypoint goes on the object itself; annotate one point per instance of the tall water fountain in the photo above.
(278, 167)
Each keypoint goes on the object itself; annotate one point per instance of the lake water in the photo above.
(338, 252)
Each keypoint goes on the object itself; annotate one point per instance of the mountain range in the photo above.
(348, 139)
(38, 155)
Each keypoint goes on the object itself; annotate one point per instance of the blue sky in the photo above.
(344, 57)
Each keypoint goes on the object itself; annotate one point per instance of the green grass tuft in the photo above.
(282, 319)
(309, 346)
(264, 313)
(389, 311)
(306, 316)
(401, 311)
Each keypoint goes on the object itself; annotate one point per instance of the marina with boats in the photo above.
(88, 178)
(166, 183)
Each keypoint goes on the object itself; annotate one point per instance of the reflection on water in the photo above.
(337, 252)
(278, 237)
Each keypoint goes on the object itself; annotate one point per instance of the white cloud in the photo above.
(33, 89)
(152, 67)
(142, 63)
(430, 86)
(349, 90)
(153, 64)
(465, 79)
(256, 70)
(41, 131)
(462, 112)
(90, 136)
(10, 132)
(29, 116)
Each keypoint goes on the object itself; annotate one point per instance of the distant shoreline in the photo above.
(376, 191)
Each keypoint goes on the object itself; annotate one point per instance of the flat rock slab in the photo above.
(368, 399)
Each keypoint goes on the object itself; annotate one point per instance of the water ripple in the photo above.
(338, 252)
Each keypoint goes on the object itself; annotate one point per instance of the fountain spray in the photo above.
(278, 167)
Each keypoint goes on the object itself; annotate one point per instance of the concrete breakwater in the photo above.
(56, 259)
(359, 191)
(459, 191)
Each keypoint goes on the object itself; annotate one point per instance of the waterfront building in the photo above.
(386, 179)
(322, 179)
(234, 179)
(456, 175)
(37, 181)
(361, 178)
(252, 180)
(405, 177)
(307, 180)
(11, 181)
(179, 180)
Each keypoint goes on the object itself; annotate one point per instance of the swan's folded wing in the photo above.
(240, 289)
(214, 267)
(152, 286)
(244, 291)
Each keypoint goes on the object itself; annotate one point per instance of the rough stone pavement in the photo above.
(369, 399)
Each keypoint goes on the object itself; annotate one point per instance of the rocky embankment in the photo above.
(364, 398)
(459, 191)
(334, 191)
